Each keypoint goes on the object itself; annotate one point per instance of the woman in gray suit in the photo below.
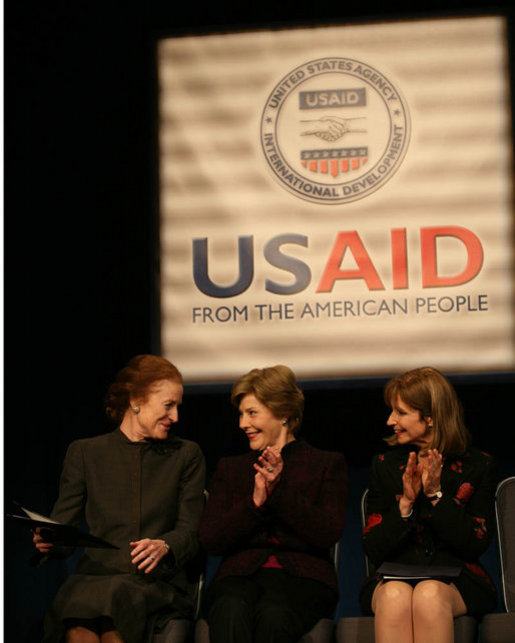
(141, 489)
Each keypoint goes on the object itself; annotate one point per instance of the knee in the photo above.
(431, 599)
(228, 606)
(392, 601)
(273, 613)
(81, 635)
(273, 620)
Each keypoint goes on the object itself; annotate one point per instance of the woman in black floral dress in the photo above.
(430, 503)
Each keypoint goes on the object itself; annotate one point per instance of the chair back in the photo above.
(369, 568)
(505, 517)
(201, 572)
(335, 555)
(195, 574)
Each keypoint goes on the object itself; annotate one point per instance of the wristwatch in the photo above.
(436, 496)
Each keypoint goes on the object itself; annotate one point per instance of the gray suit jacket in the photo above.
(127, 491)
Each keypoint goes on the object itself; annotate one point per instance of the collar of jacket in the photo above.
(163, 447)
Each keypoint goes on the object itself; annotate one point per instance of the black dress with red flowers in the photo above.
(455, 532)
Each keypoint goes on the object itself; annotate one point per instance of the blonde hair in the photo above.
(277, 389)
(426, 390)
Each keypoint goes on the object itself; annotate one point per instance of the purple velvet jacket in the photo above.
(299, 522)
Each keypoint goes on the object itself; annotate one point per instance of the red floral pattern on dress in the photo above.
(463, 494)
(372, 521)
(476, 569)
(481, 528)
(479, 571)
(457, 466)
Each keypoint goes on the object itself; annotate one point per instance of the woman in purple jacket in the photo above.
(272, 515)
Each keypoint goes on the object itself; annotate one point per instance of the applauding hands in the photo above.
(420, 474)
(268, 473)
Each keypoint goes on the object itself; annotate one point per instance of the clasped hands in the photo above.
(421, 474)
(268, 473)
(146, 553)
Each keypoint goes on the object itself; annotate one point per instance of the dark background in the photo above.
(81, 261)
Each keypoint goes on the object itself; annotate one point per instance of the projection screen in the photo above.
(338, 199)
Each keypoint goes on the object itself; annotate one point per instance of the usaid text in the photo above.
(276, 254)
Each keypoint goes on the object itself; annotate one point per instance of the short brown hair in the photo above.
(276, 388)
(135, 381)
(429, 392)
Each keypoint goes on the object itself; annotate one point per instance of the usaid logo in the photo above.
(334, 130)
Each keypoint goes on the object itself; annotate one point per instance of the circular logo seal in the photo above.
(334, 130)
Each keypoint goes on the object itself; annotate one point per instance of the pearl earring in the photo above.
(285, 421)
(135, 409)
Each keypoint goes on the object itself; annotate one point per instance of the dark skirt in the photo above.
(135, 604)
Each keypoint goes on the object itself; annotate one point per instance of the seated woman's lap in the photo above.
(270, 598)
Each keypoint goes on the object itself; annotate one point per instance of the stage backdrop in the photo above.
(338, 199)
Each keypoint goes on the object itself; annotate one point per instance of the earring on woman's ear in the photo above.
(285, 421)
(430, 427)
(135, 409)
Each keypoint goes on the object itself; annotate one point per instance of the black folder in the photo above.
(399, 571)
(58, 533)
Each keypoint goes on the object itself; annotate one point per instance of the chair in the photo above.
(176, 631)
(322, 632)
(500, 628)
(360, 629)
(180, 630)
